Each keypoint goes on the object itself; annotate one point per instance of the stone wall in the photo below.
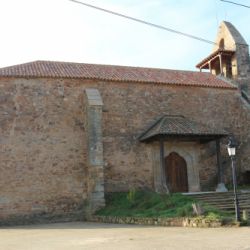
(43, 139)
(43, 150)
(93, 124)
(129, 109)
(201, 222)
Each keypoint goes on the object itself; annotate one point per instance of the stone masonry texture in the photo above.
(43, 139)
(93, 125)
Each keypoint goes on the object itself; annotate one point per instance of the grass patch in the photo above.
(150, 204)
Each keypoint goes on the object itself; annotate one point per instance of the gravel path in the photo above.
(81, 236)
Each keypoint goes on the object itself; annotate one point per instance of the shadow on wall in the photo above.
(246, 178)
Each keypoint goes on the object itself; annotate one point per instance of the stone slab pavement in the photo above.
(81, 236)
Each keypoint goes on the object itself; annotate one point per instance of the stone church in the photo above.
(70, 132)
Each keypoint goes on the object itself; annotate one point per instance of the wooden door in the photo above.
(176, 173)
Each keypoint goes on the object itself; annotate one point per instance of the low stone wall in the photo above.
(175, 222)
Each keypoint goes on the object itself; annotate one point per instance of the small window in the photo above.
(221, 44)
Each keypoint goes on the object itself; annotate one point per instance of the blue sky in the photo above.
(61, 30)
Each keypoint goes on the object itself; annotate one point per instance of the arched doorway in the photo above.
(176, 173)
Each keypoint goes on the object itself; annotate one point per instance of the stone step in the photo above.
(232, 209)
(221, 197)
(242, 196)
(215, 201)
(225, 200)
(218, 195)
(228, 204)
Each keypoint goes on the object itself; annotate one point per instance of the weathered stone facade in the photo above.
(93, 124)
(201, 222)
(44, 147)
(66, 140)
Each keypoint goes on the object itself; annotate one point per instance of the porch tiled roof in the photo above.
(171, 125)
(50, 69)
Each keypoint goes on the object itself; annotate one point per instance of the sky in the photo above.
(60, 30)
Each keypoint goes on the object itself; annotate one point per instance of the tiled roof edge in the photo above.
(230, 87)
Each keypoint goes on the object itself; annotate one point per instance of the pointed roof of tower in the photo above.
(226, 43)
(238, 38)
(230, 36)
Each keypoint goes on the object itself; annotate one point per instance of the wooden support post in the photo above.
(162, 163)
(221, 186)
(220, 58)
(220, 170)
(210, 69)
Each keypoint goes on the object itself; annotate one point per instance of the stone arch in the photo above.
(192, 165)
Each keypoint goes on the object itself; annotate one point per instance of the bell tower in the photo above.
(229, 57)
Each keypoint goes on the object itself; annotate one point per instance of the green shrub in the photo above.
(213, 216)
(185, 211)
(131, 195)
(138, 203)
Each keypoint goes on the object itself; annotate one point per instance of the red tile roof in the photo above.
(50, 69)
(176, 125)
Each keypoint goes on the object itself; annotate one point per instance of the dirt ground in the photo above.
(81, 236)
